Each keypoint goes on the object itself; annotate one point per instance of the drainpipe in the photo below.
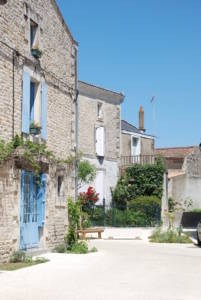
(76, 127)
(13, 111)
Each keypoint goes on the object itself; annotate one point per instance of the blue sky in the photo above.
(144, 48)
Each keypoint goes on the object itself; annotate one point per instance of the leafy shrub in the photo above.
(85, 220)
(28, 259)
(148, 206)
(17, 256)
(93, 249)
(79, 248)
(140, 180)
(41, 260)
(169, 236)
(97, 216)
(86, 172)
(124, 218)
(197, 210)
(60, 248)
(73, 217)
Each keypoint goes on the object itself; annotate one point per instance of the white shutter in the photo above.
(100, 141)
(100, 185)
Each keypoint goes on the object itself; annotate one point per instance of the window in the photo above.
(135, 146)
(99, 111)
(100, 141)
(60, 187)
(33, 34)
(35, 103)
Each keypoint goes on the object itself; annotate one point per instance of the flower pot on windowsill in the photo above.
(34, 129)
(36, 53)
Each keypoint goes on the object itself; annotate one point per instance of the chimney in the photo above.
(141, 119)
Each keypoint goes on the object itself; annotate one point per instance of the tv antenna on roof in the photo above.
(153, 115)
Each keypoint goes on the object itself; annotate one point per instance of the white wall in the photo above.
(110, 169)
(185, 187)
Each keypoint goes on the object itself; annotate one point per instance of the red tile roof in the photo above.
(175, 151)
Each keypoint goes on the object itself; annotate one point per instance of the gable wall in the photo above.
(58, 58)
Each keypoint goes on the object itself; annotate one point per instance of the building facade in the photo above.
(184, 174)
(99, 135)
(136, 145)
(38, 57)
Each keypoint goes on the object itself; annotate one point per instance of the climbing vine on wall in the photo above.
(139, 180)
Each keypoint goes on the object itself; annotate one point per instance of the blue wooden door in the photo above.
(31, 209)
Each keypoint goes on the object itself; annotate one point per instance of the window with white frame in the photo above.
(100, 141)
(135, 146)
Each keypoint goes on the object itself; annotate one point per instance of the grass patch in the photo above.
(169, 236)
(19, 265)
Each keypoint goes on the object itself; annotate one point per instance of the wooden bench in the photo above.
(83, 232)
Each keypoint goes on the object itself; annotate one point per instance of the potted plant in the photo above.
(35, 128)
(36, 52)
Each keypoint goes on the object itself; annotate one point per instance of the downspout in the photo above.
(76, 126)
(13, 110)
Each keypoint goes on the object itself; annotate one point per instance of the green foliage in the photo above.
(85, 220)
(80, 247)
(41, 260)
(60, 248)
(149, 206)
(73, 218)
(171, 204)
(140, 180)
(123, 218)
(86, 172)
(93, 249)
(17, 256)
(28, 259)
(196, 210)
(169, 236)
(97, 216)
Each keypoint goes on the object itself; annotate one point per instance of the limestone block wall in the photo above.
(9, 210)
(57, 65)
(88, 122)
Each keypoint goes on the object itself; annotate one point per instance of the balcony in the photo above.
(127, 161)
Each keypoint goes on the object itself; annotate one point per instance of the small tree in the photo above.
(86, 172)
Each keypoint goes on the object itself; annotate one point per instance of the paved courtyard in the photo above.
(121, 270)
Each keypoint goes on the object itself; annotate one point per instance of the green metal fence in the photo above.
(104, 215)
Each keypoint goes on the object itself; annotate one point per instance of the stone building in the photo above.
(136, 145)
(99, 134)
(184, 173)
(39, 91)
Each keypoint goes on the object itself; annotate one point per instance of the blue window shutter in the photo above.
(32, 100)
(41, 201)
(26, 102)
(44, 111)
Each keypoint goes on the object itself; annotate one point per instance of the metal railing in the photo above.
(138, 159)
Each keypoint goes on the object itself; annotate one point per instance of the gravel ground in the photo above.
(120, 270)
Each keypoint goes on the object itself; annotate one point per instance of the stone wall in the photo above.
(147, 145)
(58, 68)
(187, 186)
(87, 124)
(58, 61)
